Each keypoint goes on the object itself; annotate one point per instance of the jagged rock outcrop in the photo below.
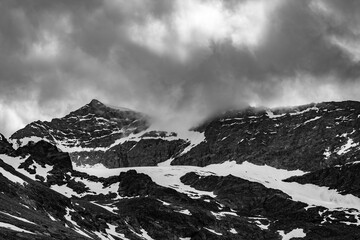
(45, 153)
(308, 137)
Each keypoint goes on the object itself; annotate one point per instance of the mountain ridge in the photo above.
(248, 174)
(279, 137)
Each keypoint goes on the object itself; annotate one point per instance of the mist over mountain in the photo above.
(174, 59)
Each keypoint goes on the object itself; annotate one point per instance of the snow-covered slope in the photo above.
(270, 177)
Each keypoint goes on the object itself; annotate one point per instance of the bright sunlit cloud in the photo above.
(47, 46)
(196, 23)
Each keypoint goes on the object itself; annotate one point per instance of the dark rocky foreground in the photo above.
(238, 208)
(46, 198)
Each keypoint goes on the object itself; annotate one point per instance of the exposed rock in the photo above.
(92, 126)
(5, 146)
(273, 209)
(44, 153)
(308, 137)
(91, 135)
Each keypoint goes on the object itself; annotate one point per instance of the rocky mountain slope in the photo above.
(96, 133)
(309, 137)
(159, 186)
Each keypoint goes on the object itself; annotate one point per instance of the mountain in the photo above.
(96, 133)
(309, 137)
(104, 173)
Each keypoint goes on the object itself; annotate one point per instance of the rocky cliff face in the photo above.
(309, 137)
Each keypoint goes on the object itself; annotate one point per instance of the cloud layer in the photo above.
(181, 58)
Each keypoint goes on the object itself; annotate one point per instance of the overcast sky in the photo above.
(180, 58)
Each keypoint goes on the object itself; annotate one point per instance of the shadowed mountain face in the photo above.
(212, 186)
(308, 137)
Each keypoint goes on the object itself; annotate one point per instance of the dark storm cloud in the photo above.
(174, 57)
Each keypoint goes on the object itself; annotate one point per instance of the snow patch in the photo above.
(68, 217)
(112, 232)
(51, 217)
(64, 190)
(270, 114)
(262, 226)
(18, 218)
(311, 120)
(185, 211)
(346, 147)
(327, 153)
(81, 232)
(145, 234)
(213, 231)
(304, 111)
(14, 228)
(40, 170)
(111, 209)
(233, 231)
(219, 215)
(11, 177)
(166, 163)
(24, 141)
(16, 161)
(164, 203)
(295, 233)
